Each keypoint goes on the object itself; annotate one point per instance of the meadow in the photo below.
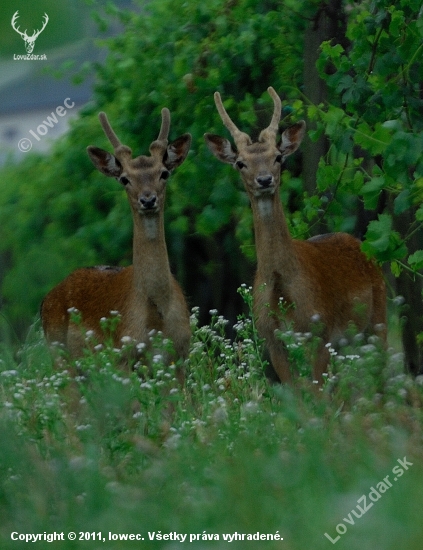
(230, 459)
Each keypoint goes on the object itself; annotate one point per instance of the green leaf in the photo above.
(333, 119)
(415, 260)
(396, 268)
(357, 182)
(404, 146)
(371, 191)
(327, 175)
(396, 23)
(419, 214)
(375, 141)
(402, 202)
(378, 233)
(382, 242)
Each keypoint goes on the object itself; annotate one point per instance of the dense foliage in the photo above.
(376, 134)
(378, 116)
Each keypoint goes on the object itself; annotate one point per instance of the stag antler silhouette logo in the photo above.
(29, 40)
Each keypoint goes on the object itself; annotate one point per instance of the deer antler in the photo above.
(160, 144)
(36, 33)
(270, 133)
(240, 138)
(165, 127)
(14, 19)
(111, 136)
(119, 149)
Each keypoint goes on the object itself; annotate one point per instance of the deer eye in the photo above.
(165, 174)
(279, 158)
(123, 180)
(240, 164)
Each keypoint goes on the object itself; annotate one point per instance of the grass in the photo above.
(115, 452)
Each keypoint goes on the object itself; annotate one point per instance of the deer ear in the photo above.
(107, 163)
(177, 152)
(221, 148)
(291, 138)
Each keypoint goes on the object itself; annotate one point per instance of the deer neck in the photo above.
(152, 276)
(274, 245)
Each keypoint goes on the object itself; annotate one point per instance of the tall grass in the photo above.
(121, 451)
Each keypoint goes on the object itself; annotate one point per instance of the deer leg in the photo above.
(179, 332)
(321, 363)
(378, 317)
(280, 362)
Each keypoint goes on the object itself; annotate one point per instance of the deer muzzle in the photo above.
(265, 182)
(148, 203)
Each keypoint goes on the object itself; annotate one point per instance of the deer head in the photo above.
(144, 178)
(258, 163)
(29, 40)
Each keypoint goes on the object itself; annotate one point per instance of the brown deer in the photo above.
(325, 278)
(146, 294)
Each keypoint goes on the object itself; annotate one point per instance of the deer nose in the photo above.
(264, 181)
(148, 202)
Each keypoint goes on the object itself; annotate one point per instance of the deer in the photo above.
(146, 295)
(326, 278)
(29, 40)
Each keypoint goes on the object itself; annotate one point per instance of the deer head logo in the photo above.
(29, 40)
